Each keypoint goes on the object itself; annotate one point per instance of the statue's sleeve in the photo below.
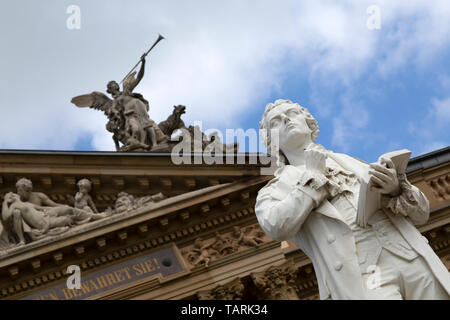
(411, 202)
(282, 208)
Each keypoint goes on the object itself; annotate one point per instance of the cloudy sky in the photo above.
(372, 90)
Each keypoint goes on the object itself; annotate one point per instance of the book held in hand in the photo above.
(370, 201)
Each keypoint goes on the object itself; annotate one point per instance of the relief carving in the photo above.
(127, 202)
(277, 282)
(202, 252)
(248, 237)
(28, 216)
(441, 187)
(224, 245)
(233, 290)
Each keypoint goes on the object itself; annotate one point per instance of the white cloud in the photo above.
(431, 132)
(220, 59)
(440, 112)
(349, 124)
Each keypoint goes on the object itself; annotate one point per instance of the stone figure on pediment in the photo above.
(34, 214)
(82, 199)
(35, 220)
(126, 202)
(356, 221)
(78, 215)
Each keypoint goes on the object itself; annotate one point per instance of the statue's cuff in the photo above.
(311, 183)
(313, 179)
(404, 201)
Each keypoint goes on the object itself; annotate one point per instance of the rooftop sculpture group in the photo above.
(128, 118)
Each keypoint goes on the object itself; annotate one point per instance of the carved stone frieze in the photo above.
(203, 251)
(233, 290)
(441, 187)
(277, 282)
(29, 216)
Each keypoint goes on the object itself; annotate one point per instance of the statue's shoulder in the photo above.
(285, 177)
(40, 195)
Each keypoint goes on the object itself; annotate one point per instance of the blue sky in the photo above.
(371, 90)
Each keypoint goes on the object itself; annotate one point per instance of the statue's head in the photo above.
(113, 88)
(236, 229)
(179, 110)
(295, 125)
(198, 243)
(24, 187)
(124, 202)
(84, 185)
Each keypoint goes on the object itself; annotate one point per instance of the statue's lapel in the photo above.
(327, 209)
(359, 167)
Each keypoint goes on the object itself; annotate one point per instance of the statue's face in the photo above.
(113, 88)
(198, 243)
(180, 109)
(291, 124)
(84, 187)
(123, 204)
(24, 192)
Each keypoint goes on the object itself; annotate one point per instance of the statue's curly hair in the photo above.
(310, 121)
(24, 183)
(111, 84)
(84, 183)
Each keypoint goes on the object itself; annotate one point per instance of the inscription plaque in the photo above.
(165, 262)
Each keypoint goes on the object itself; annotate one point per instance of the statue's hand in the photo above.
(143, 58)
(384, 178)
(315, 160)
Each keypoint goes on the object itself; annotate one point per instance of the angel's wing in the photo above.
(95, 100)
(129, 83)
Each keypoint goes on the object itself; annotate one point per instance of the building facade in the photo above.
(199, 240)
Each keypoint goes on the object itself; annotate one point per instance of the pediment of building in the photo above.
(195, 207)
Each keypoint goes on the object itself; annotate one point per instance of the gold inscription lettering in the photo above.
(109, 277)
(119, 276)
(53, 296)
(156, 263)
(76, 293)
(137, 269)
(85, 287)
(67, 294)
(127, 272)
(101, 283)
(92, 282)
(149, 266)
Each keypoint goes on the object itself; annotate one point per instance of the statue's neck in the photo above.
(296, 157)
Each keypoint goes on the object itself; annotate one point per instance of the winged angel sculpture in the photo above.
(127, 114)
(128, 118)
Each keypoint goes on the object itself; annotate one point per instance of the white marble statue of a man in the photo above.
(313, 201)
